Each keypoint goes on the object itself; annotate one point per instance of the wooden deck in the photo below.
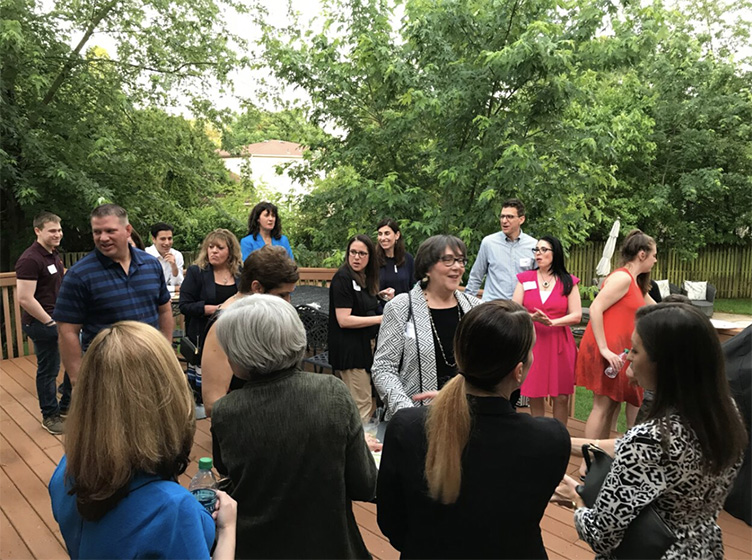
(28, 455)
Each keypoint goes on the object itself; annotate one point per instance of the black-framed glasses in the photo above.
(542, 250)
(449, 260)
(509, 217)
(361, 254)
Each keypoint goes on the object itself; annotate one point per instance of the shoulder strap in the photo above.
(410, 315)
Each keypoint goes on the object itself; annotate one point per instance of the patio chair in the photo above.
(316, 325)
(705, 305)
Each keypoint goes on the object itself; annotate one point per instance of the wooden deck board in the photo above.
(29, 454)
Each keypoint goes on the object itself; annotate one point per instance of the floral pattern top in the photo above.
(685, 496)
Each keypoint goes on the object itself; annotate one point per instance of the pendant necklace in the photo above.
(436, 333)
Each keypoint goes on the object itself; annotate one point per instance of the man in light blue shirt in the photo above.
(503, 255)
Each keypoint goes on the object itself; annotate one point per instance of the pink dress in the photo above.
(555, 351)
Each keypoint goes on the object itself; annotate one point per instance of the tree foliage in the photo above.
(588, 111)
(75, 130)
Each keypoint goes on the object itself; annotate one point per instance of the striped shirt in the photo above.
(96, 293)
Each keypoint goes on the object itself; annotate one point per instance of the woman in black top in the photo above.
(468, 477)
(397, 269)
(209, 281)
(354, 318)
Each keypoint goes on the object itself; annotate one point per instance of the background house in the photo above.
(259, 162)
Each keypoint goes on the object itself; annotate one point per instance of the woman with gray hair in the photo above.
(415, 354)
(292, 442)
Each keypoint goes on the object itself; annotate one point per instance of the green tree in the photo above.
(468, 103)
(71, 132)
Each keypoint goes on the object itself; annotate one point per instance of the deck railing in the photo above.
(15, 343)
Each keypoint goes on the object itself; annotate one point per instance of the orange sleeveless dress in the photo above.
(618, 324)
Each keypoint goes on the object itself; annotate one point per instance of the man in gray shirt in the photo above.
(503, 255)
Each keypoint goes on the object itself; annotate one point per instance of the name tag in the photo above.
(526, 262)
(52, 268)
(530, 285)
(355, 286)
(395, 269)
(409, 330)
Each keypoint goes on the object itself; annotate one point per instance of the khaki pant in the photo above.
(358, 381)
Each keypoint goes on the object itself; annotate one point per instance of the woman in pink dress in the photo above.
(551, 297)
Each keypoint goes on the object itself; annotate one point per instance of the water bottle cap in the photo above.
(205, 463)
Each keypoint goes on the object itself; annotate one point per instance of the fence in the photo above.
(728, 268)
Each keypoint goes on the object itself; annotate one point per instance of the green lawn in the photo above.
(740, 306)
(584, 403)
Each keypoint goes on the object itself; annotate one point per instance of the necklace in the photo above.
(436, 333)
(545, 283)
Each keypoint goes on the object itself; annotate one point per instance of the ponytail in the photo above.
(447, 432)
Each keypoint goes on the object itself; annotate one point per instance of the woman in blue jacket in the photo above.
(264, 228)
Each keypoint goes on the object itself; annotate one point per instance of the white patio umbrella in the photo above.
(604, 265)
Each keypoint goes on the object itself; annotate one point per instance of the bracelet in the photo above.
(49, 323)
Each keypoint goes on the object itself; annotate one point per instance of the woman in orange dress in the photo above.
(612, 316)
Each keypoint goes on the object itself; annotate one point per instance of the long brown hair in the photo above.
(502, 325)
(367, 278)
(399, 244)
(132, 411)
(691, 379)
(235, 258)
(634, 242)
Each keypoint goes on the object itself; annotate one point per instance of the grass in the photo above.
(584, 404)
(737, 306)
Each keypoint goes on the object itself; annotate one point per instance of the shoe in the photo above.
(53, 424)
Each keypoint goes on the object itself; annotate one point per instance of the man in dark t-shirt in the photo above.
(39, 273)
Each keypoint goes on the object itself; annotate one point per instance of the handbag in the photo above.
(189, 351)
(647, 536)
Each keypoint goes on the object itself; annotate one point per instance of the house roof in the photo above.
(280, 148)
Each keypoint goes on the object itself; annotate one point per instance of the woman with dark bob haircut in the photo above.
(415, 355)
(264, 228)
(468, 477)
(685, 456)
(127, 439)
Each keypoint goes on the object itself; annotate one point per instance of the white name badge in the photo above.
(409, 330)
(526, 262)
(52, 268)
(530, 285)
(355, 286)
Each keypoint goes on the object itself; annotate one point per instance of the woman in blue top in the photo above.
(397, 269)
(127, 439)
(264, 228)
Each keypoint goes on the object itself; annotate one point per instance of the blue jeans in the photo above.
(48, 366)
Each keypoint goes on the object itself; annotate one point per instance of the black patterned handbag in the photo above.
(648, 536)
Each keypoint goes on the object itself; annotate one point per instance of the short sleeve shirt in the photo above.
(96, 293)
(47, 270)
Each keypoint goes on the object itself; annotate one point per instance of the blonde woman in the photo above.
(209, 281)
(128, 438)
(468, 477)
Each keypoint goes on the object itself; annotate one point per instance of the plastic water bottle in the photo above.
(611, 372)
(204, 484)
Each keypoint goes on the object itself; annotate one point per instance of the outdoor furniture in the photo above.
(705, 305)
(313, 296)
(316, 325)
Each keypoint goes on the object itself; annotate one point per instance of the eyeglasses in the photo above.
(449, 260)
(361, 254)
(542, 250)
(509, 217)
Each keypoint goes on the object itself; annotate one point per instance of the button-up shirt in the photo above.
(170, 278)
(500, 259)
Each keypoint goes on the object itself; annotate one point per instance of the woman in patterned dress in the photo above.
(685, 456)
(551, 297)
